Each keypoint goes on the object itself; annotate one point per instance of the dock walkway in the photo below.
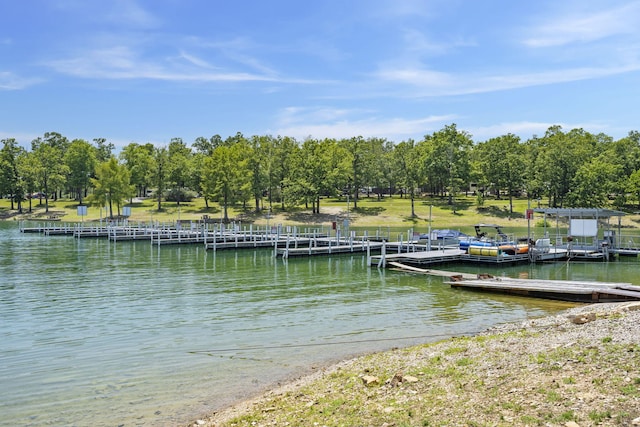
(564, 290)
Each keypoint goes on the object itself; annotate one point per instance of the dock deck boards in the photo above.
(578, 291)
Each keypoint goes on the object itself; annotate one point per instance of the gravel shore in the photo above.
(575, 369)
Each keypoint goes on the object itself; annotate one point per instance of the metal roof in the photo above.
(580, 212)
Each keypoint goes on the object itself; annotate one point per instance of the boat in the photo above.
(490, 240)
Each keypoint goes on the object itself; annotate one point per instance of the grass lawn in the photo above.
(370, 213)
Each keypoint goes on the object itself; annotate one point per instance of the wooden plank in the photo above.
(431, 272)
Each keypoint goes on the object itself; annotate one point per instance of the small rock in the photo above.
(636, 422)
(581, 319)
(571, 424)
(370, 379)
(410, 379)
(200, 422)
(397, 379)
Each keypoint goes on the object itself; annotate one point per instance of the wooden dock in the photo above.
(329, 247)
(563, 290)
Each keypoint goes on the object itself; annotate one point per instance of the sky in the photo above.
(152, 70)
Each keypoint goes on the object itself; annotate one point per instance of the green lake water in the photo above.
(128, 334)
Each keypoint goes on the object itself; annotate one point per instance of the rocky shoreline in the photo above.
(575, 369)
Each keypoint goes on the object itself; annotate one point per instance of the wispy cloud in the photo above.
(123, 62)
(423, 82)
(130, 13)
(324, 122)
(11, 81)
(586, 27)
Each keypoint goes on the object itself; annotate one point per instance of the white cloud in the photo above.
(11, 81)
(423, 82)
(344, 123)
(122, 62)
(580, 28)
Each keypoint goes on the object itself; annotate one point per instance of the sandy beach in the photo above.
(578, 368)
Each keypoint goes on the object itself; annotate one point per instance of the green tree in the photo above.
(503, 164)
(258, 149)
(593, 183)
(179, 168)
(634, 185)
(408, 162)
(111, 185)
(225, 175)
(51, 170)
(81, 162)
(139, 160)
(10, 180)
(160, 172)
(447, 160)
(28, 167)
(561, 156)
(356, 149)
(104, 149)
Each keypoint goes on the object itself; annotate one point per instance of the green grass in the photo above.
(394, 212)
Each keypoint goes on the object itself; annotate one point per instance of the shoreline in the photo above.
(381, 378)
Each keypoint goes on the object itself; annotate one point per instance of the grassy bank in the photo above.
(575, 369)
(369, 213)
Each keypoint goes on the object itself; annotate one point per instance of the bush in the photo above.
(179, 195)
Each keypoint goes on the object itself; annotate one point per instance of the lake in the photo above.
(129, 334)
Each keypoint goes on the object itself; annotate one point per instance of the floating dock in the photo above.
(563, 290)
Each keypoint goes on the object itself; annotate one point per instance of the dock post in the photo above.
(383, 252)
(286, 250)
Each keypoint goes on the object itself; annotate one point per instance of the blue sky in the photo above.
(150, 70)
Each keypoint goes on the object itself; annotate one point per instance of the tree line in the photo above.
(565, 168)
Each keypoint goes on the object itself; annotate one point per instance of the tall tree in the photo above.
(258, 147)
(81, 162)
(503, 164)
(593, 183)
(51, 169)
(104, 149)
(561, 157)
(407, 162)
(10, 180)
(28, 167)
(139, 160)
(224, 176)
(446, 154)
(179, 168)
(160, 172)
(112, 184)
(357, 154)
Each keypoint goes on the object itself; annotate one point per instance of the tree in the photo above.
(80, 160)
(357, 156)
(28, 167)
(503, 164)
(112, 184)
(159, 173)
(179, 168)
(104, 150)
(51, 170)
(446, 153)
(139, 160)
(593, 183)
(258, 147)
(560, 158)
(224, 176)
(634, 185)
(10, 182)
(407, 162)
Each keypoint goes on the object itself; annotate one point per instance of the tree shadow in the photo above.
(498, 212)
(369, 211)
